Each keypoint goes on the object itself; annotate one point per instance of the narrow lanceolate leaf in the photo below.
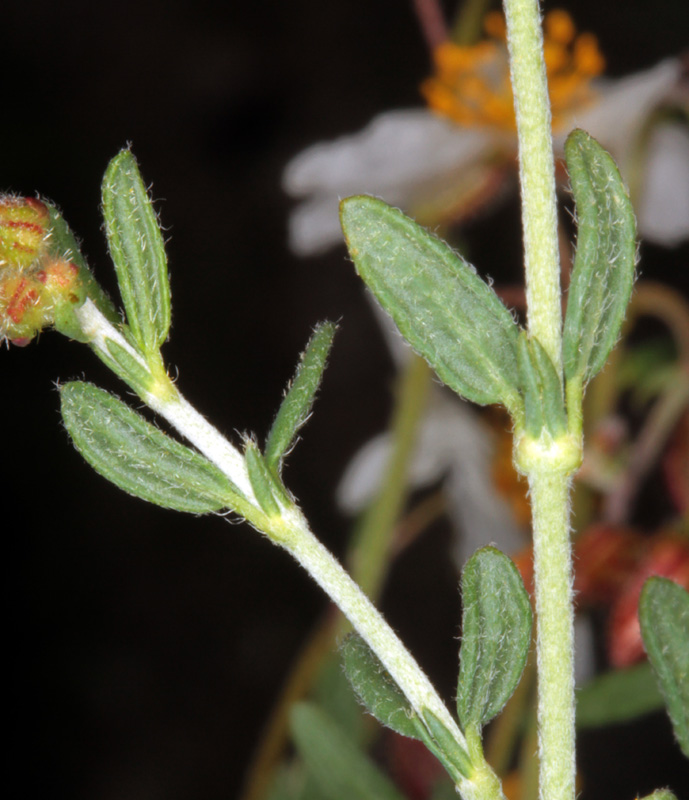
(262, 482)
(376, 690)
(446, 312)
(64, 244)
(603, 272)
(496, 633)
(544, 405)
(339, 769)
(531, 388)
(296, 406)
(138, 252)
(127, 450)
(664, 618)
(381, 696)
(618, 696)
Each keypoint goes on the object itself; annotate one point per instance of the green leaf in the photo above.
(127, 450)
(496, 634)
(64, 244)
(262, 482)
(127, 366)
(376, 689)
(543, 399)
(531, 388)
(296, 406)
(446, 748)
(446, 312)
(603, 272)
(664, 618)
(381, 696)
(332, 691)
(340, 770)
(660, 794)
(618, 696)
(138, 252)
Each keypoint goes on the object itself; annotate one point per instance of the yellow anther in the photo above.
(494, 25)
(471, 85)
(559, 27)
(587, 56)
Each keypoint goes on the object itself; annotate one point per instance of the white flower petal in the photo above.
(623, 104)
(448, 433)
(314, 226)
(397, 147)
(664, 203)
(452, 443)
(393, 157)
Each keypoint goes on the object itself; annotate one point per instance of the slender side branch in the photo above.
(164, 399)
(289, 529)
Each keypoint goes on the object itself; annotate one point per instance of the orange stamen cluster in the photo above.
(471, 85)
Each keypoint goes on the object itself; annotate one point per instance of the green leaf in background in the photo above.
(496, 634)
(127, 450)
(618, 696)
(138, 252)
(296, 406)
(603, 272)
(340, 770)
(376, 689)
(660, 794)
(332, 692)
(664, 619)
(442, 307)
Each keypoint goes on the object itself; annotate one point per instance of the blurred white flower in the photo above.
(453, 447)
(443, 164)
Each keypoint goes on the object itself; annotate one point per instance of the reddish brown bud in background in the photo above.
(667, 556)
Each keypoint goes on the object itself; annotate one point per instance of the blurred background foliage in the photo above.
(147, 648)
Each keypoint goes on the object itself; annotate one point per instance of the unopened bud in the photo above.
(34, 298)
(24, 231)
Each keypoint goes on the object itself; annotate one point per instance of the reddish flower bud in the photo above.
(676, 466)
(604, 558)
(31, 298)
(667, 556)
(413, 768)
(24, 231)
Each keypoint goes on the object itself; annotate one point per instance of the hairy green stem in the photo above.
(555, 633)
(536, 174)
(547, 464)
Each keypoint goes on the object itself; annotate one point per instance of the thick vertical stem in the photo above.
(546, 467)
(537, 174)
(555, 631)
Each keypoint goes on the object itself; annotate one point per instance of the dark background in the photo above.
(146, 647)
